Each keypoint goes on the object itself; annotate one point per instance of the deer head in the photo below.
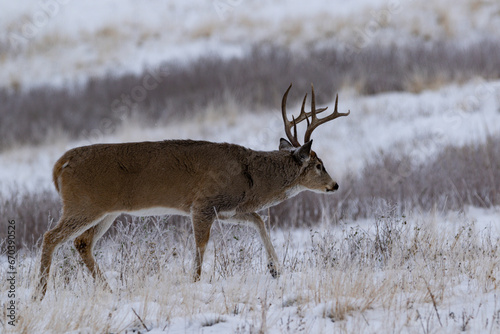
(313, 173)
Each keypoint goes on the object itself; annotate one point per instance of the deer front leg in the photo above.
(272, 258)
(202, 223)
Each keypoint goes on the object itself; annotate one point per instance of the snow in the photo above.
(63, 42)
(307, 297)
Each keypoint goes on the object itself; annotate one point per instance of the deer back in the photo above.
(173, 174)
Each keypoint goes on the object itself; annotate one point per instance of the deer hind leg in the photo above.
(202, 223)
(260, 226)
(85, 243)
(67, 227)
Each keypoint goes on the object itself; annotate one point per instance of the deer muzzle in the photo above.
(333, 188)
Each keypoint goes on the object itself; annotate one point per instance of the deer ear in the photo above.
(303, 153)
(285, 145)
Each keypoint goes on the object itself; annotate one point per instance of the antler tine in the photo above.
(305, 115)
(318, 121)
(287, 123)
(313, 105)
(294, 122)
(302, 111)
(315, 121)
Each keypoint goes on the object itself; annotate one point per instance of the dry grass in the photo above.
(255, 80)
(416, 271)
(408, 270)
(455, 178)
(33, 213)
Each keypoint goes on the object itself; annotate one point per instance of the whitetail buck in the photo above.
(199, 179)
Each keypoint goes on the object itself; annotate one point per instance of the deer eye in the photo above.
(319, 167)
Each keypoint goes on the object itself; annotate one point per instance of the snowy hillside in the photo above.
(61, 42)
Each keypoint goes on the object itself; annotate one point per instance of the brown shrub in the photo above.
(257, 79)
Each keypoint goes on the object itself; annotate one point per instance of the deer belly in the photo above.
(157, 211)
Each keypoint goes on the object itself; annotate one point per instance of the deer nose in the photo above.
(335, 187)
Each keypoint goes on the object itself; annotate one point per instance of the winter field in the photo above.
(410, 242)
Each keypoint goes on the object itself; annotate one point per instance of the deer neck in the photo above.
(275, 176)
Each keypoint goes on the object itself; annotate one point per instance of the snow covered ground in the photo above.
(63, 41)
(430, 273)
(425, 273)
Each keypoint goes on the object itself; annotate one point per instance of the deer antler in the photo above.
(315, 121)
(288, 124)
